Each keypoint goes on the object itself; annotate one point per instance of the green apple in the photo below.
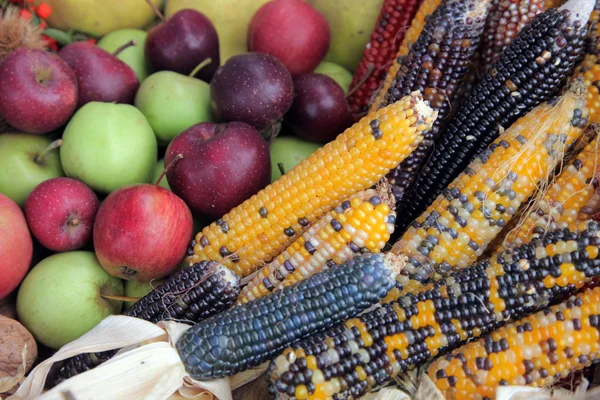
(172, 103)
(289, 151)
(26, 161)
(138, 289)
(132, 56)
(336, 72)
(158, 170)
(61, 297)
(108, 146)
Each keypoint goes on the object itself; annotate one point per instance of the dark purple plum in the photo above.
(319, 112)
(255, 88)
(182, 42)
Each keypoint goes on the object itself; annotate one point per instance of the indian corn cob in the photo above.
(537, 351)
(362, 224)
(261, 227)
(192, 294)
(589, 70)
(435, 66)
(529, 70)
(247, 335)
(350, 359)
(395, 16)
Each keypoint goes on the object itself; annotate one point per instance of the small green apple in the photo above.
(158, 170)
(61, 297)
(173, 102)
(132, 56)
(138, 289)
(108, 146)
(336, 72)
(289, 151)
(26, 161)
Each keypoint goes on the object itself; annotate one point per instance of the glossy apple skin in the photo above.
(16, 247)
(100, 75)
(222, 165)
(31, 106)
(182, 42)
(291, 30)
(60, 213)
(142, 232)
(320, 111)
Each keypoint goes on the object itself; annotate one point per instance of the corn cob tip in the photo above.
(581, 9)
(384, 191)
(395, 262)
(422, 108)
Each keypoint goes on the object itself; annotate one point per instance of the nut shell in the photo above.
(13, 339)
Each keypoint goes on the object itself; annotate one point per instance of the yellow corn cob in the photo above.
(589, 69)
(416, 26)
(261, 227)
(361, 224)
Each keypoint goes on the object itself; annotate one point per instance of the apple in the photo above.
(173, 102)
(60, 213)
(134, 55)
(222, 165)
(61, 297)
(108, 146)
(289, 151)
(158, 175)
(26, 161)
(39, 90)
(336, 72)
(139, 290)
(16, 247)
(142, 232)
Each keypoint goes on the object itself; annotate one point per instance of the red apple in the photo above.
(142, 232)
(16, 247)
(60, 213)
(291, 30)
(222, 165)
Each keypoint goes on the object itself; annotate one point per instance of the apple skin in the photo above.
(60, 213)
(16, 246)
(291, 30)
(142, 232)
(289, 151)
(173, 102)
(132, 56)
(138, 289)
(108, 146)
(158, 170)
(222, 165)
(20, 173)
(60, 300)
(39, 91)
(336, 72)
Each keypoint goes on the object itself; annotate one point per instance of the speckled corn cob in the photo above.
(436, 65)
(261, 227)
(395, 16)
(536, 351)
(589, 70)
(529, 70)
(362, 224)
(349, 360)
(250, 334)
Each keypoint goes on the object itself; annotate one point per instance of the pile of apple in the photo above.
(98, 126)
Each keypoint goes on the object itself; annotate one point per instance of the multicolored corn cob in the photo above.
(529, 70)
(592, 45)
(435, 66)
(536, 351)
(394, 19)
(264, 225)
(349, 360)
(247, 335)
(589, 70)
(361, 224)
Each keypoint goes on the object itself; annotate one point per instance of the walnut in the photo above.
(16, 343)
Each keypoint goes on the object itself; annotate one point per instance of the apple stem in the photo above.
(155, 10)
(368, 73)
(127, 45)
(54, 145)
(281, 168)
(119, 298)
(168, 167)
(203, 64)
(73, 221)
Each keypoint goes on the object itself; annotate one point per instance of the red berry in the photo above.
(43, 11)
(91, 40)
(50, 42)
(43, 24)
(25, 14)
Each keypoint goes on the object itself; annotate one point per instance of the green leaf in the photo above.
(63, 38)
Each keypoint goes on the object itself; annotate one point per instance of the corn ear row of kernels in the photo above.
(535, 351)
(362, 224)
(589, 70)
(351, 359)
(592, 45)
(261, 227)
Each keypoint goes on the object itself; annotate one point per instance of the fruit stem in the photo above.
(368, 73)
(54, 145)
(168, 167)
(155, 10)
(281, 168)
(203, 64)
(119, 298)
(73, 221)
(127, 45)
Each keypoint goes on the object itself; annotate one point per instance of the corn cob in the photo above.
(592, 46)
(261, 227)
(192, 294)
(348, 360)
(537, 351)
(552, 3)
(530, 70)
(589, 70)
(435, 65)
(362, 224)
(250, 334)
(411, 36)
(395, 16)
